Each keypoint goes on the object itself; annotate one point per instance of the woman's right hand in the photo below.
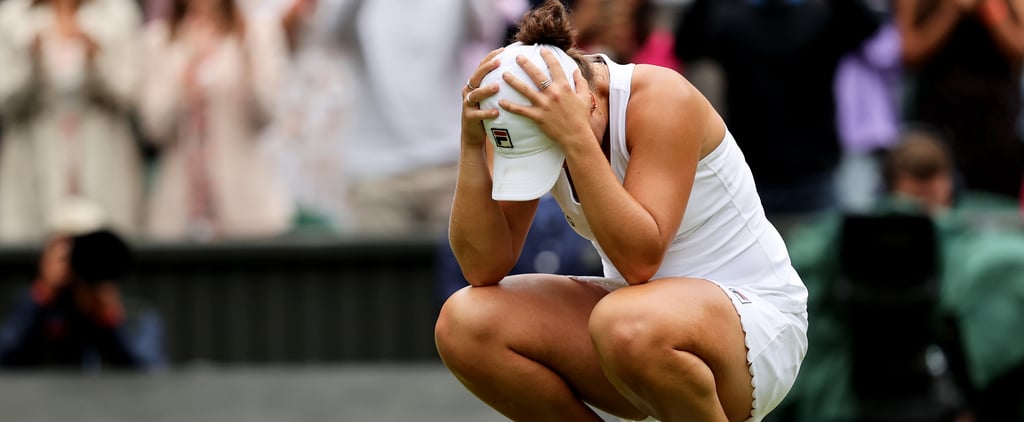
(473, 134)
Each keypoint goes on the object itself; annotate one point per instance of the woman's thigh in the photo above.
(681, 314)
(542, 317)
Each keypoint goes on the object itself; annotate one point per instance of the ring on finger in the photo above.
(468, 100)
(470, 85)
(544, 85)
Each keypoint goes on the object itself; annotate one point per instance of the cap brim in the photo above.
(529, 177)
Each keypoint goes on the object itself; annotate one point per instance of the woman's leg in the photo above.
(523, 347)
(675, 347)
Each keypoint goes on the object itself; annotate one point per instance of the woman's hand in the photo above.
(473, 134)
(561, 113)
(966, 6)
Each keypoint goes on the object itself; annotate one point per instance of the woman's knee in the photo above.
(464, 319)
(624, 338)
(630, 337)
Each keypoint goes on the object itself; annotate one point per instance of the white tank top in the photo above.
(724, 236)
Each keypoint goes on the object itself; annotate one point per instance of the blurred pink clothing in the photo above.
(658, 50)
(214, 147)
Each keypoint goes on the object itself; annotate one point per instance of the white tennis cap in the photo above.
(526, 162)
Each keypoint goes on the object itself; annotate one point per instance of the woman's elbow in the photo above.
(638, 265)
(639, 272)
(480, 273)
(482, 278)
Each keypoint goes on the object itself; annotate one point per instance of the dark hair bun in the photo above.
(547, 24)
(100, 256)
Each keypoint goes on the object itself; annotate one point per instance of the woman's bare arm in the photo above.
(486, 236)
(636, 221)
(922, 40)
(1004, 21)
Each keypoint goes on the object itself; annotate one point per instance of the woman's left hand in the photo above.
(561, 113)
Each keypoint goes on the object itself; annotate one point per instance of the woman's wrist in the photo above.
(582, 145)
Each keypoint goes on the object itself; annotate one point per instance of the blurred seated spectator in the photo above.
(963, 61)
(981, 286)
(635, 34)
(920, 169)
(211, 81)
(73, 314)
(67, 91)
(868, 88)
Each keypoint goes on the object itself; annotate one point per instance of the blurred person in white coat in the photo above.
(212, 77)
(67, 88)
(409, 58)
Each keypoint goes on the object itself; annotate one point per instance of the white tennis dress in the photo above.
(724, 238)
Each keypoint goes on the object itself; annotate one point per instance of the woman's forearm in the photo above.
(1003, 20)
(921, 40)
(627, 232)
(481, 236)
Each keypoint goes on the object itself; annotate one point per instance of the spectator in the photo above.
(307, 133)
(982, 285)
(73, 315)
(964, 60)
(590, 17)
(212, 77)
(628, 31)
(655, 43)
(778, 59)
(868, 88)
(920, 169)
(404, 140)
(66, 93)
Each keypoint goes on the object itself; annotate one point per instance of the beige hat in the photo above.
(526, 162)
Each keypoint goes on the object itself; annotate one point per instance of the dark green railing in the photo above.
(287, 301)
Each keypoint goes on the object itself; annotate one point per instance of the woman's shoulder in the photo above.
(659, 91)
(657, 84)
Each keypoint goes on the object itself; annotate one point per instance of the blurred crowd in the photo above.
(210, 120)
(203, 120)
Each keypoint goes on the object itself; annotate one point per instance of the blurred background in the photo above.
(236, 209)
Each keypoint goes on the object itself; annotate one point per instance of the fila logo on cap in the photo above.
(501, 138)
